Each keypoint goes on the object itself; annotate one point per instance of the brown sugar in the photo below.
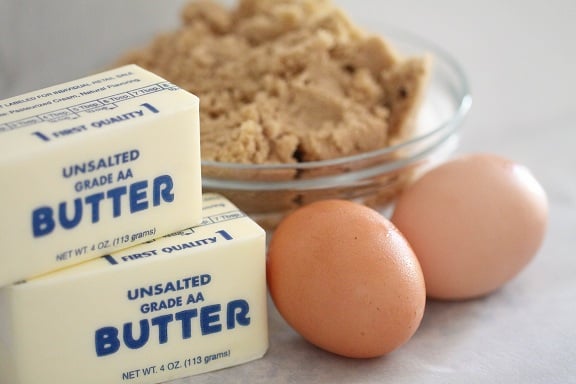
(287, 81)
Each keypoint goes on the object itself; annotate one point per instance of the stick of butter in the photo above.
(95, 165)
(187, 303)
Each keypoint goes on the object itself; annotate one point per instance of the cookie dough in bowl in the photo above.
(300, 104)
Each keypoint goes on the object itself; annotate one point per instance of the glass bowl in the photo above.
(267, 192)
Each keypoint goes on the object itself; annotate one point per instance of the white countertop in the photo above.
(520, 58)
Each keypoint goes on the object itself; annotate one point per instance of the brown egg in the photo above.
(345, 279)
(474, 223)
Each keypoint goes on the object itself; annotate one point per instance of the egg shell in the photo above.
(474, 223)
(345, 279)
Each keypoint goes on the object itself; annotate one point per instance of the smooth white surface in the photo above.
(520, 58)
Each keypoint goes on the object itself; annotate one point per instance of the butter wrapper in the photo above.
(95, 165)
(187, 303)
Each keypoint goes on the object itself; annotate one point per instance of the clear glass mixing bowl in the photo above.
(268, 192)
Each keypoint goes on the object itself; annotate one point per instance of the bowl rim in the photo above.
(462, 93)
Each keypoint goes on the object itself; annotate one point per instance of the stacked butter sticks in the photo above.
(114, 267)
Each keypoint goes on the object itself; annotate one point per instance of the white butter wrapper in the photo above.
(95, 165)
(187, 303)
